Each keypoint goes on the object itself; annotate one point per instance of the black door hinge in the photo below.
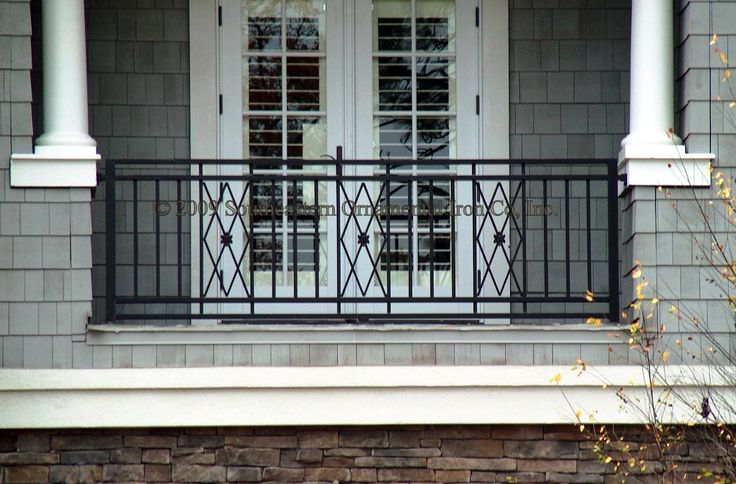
(220, 104)
(219, 16)
(477, 16)
(477, 105)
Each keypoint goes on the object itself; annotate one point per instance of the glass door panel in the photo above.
(416, 239)
(280, 50)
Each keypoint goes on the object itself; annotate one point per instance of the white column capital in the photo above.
(65, 154)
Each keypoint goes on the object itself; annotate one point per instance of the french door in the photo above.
(304, 79)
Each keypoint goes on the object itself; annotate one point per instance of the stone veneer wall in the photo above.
(418, 454)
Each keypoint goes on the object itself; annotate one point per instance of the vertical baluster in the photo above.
(567, 238)
(135, 237)
(201, 242)
(410, 240)
(546, 239)
(110, 263)
(525, 265)
(338, 231)
(431, 238)
(453, 240)
(588, 235)
(251, 241)
(388, 237)
(178, 243)
(273, 238)
(476, 282)
(158, 241)
(316, 238)
(295, 238)
(613, 280)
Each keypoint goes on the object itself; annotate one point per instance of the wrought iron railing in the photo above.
(346, 240)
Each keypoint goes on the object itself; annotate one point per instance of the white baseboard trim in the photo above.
(192, 397)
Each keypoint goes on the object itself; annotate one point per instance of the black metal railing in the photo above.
(348, 240)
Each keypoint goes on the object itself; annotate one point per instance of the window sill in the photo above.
(104, 334)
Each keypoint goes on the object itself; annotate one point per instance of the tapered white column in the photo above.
(64, 77)
(652, 154)
(65, 154)
(652, 73)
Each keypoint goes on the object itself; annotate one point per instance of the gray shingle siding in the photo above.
(45, 294)
(569, 78)
(138, 62)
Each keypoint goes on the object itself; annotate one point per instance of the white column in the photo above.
(64, 77)
(65, 154)
(652, 154)
(652, 73)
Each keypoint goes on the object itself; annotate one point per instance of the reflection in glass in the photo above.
(392, 25)
(394, 90)
(264, 84)
(435, 25)
(433, 84)
(305, 20)
(394, 137)
(305, 82)
(262, 25)
(435, 138)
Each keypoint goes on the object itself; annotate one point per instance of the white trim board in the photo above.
(104, 334)
(65, 168)
(326, 396)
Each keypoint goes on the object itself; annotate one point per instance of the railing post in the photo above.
(110, 241)
(613, 263)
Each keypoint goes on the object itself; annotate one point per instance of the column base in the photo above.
(664, 165)
(55, 167)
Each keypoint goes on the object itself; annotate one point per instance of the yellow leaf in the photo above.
(655, 300)
(556, 378)
(665, 356)
(608, 459)
(589, 295)
(595, 322)
(726, 75)
(723, 57)
(636, 273)
(714, 39)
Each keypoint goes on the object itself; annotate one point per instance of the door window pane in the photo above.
(284, 118)
(414, 119)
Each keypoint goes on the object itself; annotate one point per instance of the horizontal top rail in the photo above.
(330, 161)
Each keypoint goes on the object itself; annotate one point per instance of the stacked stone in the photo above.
(447, 454)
